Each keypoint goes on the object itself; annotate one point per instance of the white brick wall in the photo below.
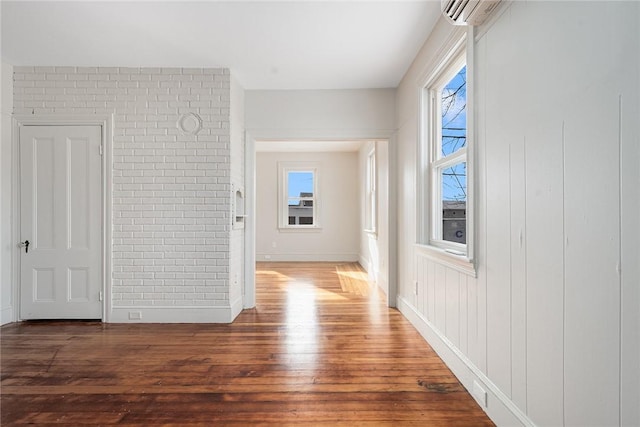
(171, 191)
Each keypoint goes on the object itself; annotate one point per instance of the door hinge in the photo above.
(101, 149)
(100, 296)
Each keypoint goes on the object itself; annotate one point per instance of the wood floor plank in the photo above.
(320, 348)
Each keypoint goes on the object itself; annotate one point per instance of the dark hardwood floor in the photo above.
(320, 348)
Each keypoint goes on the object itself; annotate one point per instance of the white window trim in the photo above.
(458, 50)
(437, 163)
(283, 198)
(371, 196)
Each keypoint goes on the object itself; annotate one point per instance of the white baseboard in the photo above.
(374, 275)
(6, 315)
(499, 407)
(310, 257)
(218, 314)
(364, 263)
(236, 308)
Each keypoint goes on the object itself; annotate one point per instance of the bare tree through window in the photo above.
(452, 165)
(454, 135)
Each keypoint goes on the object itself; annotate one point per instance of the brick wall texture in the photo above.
(171, 190)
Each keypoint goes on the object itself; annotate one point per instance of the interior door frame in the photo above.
(251, 136)
(105, 122)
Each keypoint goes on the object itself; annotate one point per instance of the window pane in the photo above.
(300, 209)
(300, 197)
(300, 184)
(454, 114)
(454, 203)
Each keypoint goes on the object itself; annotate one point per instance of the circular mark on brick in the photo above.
(190, 123)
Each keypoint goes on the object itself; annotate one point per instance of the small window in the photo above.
(298, 195)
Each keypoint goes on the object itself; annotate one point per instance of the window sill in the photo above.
(310, 229)
(442, 256)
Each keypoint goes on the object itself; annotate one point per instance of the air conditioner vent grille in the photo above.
(455, 8)
(468, 12)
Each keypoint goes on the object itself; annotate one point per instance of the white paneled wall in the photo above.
(171, 187)
(550, 324)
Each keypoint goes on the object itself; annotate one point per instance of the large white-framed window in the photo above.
(371, 193)
(298, 201)
(447, 139)
(445, 162)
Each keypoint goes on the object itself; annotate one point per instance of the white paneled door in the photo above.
(60, 217)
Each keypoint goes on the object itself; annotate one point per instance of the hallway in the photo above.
(320, 348)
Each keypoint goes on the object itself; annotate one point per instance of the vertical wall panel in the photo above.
(592, 293)
(477, 293)
(472, 319)
(592, 200)
(431, 289)
(424, 287)
(630, 226)
(542, 124)
(464, 312)
(452, 291)
(544, 293)
(502, 126)
(440, 296)
(498, 270)
(518, 275)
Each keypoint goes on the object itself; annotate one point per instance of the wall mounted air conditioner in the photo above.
(468, 12)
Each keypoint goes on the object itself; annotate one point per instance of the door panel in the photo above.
(61, 204)
(43, 170)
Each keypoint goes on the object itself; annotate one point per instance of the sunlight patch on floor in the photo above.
(354, 280)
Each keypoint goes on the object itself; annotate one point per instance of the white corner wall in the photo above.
(6, 163)
(337, 239)
(236, 241)
(550, 325)
(374, 247)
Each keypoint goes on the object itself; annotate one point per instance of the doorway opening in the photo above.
(321, 200)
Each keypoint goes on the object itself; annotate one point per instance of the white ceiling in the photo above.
(268, 45)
